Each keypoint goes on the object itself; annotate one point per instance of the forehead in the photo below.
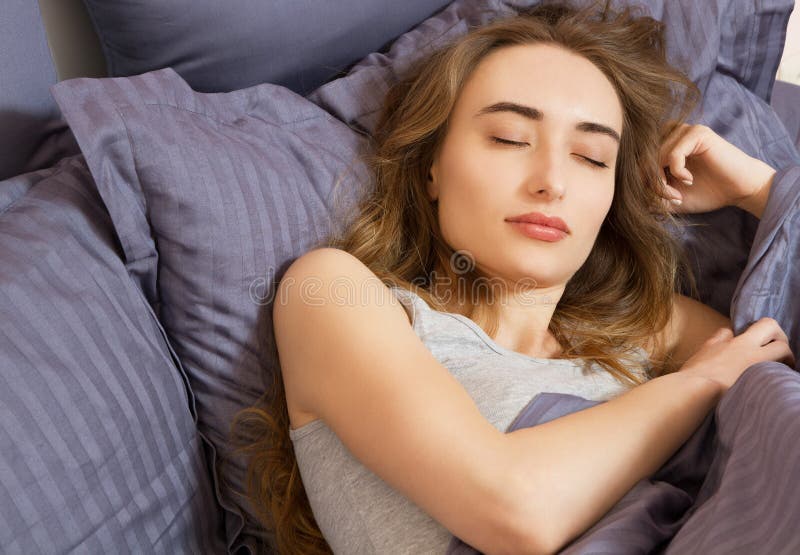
(559, 83)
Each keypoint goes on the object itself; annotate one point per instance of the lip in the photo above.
(540, 219)
(541, 232)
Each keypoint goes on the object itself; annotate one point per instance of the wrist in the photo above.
(703, 383)
(756, 202)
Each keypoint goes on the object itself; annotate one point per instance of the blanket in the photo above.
(730, 488)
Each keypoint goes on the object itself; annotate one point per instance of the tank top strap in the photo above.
(413, 304)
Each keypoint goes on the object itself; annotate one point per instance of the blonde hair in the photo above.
(620, 298)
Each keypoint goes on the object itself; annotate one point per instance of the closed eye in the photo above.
(501, 141)
(594, 162)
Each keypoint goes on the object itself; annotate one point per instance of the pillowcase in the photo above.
(222, 46)
(100, 453)
(215, 195)
(32, 133)
(730, 49)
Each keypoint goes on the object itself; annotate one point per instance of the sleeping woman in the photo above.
(513, 242)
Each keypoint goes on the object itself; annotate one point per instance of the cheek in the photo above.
(473, 175)
(465, 184)
(594, 206)
(467, 194)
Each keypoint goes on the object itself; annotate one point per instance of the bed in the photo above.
(157, 181)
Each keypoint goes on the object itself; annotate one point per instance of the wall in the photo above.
(789, 70)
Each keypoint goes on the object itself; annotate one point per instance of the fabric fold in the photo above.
(769, 286)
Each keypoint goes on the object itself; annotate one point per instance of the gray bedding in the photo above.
(731, 487)
(211, 196)
(99, 449)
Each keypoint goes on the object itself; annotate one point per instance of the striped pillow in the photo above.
(212, 197)
(99, 452)
(731, 49)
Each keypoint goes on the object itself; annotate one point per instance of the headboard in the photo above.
(73, 42)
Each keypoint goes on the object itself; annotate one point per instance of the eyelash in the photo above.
(502, 141)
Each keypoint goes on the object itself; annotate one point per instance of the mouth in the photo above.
(540, 226)
(537, 231)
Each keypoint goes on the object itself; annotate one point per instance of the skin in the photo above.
(478, 183)
(391, 424)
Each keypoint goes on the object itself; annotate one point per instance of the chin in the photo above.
(537, 279)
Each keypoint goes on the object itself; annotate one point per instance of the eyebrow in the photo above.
(534, 114)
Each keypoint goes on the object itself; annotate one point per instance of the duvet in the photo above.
(733, 486)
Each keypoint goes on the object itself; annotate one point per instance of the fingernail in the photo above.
(687, 182)
(676, 201)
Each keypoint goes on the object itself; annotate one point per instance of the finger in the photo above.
(667, 191)
(671, 140)
(673, 137)
(674, 206)
(671, 199)
(777, 333)
(673, 196)
(765, 330)
(676, 161)
(779, 351)
(677, 182)
(675, 151)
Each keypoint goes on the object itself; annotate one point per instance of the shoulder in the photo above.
(328, 281)
(328, 301)
(325, 260)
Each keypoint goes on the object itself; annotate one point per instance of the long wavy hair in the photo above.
(618, 300)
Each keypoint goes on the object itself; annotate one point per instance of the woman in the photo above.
(568, 119)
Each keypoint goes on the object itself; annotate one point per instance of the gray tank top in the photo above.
(359, 513)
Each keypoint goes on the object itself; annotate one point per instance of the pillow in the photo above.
(32, 133)
(220, 46)
(215, 194)
(730, 49)
(100, 453)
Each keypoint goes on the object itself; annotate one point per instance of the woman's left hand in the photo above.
(706, 172)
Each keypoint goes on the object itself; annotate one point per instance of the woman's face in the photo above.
(556, 116)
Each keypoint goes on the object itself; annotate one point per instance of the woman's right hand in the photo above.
(723, 357)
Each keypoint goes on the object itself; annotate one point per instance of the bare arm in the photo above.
(401, 413)
(572, 470)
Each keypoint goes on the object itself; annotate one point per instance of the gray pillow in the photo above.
(215, 195)
(99, 452)
(221, 46)
(32, 133)
(730, 49)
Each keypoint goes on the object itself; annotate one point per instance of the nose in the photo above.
(545, 174)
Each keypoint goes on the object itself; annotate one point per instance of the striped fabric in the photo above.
(730, 48)
(730, 489)
(99, 452)
(770, 284)
(215, 194)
